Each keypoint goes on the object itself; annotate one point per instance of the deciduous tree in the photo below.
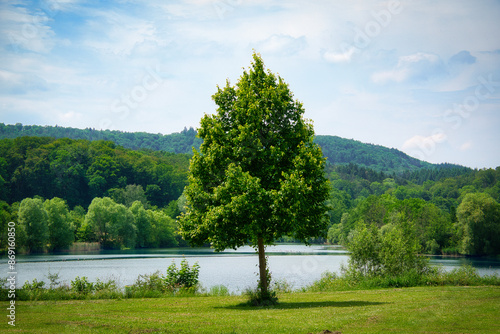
(33, 218)
(61, 233)
(479, 225)
(258, 175)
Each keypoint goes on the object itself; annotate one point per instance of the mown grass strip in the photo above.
(409, 310)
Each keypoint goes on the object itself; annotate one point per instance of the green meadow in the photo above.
(408, 310)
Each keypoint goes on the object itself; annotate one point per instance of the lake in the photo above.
(299, 265)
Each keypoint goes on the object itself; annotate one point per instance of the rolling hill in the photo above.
(339, 151)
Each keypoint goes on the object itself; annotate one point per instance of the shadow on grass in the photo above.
(285, 305)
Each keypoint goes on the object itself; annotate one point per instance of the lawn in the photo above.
(408, 310)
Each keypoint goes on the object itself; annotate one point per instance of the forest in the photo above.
(339, 151)
(62, 191)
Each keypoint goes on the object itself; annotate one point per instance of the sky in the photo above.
(420, 76)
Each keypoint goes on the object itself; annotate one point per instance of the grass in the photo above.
(438, 309)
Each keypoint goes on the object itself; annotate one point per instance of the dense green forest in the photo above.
(337, 150)
(124, 198)
(181, 142)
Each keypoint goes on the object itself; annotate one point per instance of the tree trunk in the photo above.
(262, 267)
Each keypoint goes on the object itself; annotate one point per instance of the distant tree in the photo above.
(163, 227)
(112, 223)
(33, 218)
(5, 218)
(129, 195)
(61, 234)
(143, 225)
(479, 225)
(258, 175)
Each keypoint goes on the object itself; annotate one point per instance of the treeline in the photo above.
(339, 151)
(181, 142)
(50, 224)
(379, 158)
(451, 215)
(80, 170)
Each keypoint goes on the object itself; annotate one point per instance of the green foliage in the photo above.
(479, 225)
(257, 297)
(79, 170)
(61, 234)
(463, 276)
(379, 158)
(112, 223)
(219, 291)
(34, 285)
(82, 285)
(392, 252)
(181, 142)
(33, 219)
(183, 278)
(177, 281)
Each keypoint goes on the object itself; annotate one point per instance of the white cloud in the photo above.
(339, 57)
(284, 45)
(416, 67)
(423, 142)
(25, 30)
(466, 146)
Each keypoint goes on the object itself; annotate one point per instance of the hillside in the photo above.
(339, 151)
(379, 158)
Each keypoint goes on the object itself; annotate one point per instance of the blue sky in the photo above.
(420, 76)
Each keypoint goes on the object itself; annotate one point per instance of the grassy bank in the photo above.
(408, 310)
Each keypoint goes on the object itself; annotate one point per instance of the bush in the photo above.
(82, 285)
(177, 281)
(256, 298)
(184, 278)
(463, 276)
(393, 252)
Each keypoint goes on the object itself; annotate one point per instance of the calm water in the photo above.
(236, 269)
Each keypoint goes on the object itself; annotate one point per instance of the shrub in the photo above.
(393, 252)
(55, 280)
(257, 298)
(177, 281)
(82, 285)
(184, 278)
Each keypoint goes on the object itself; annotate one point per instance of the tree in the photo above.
(129, 195)
(479, 225)
(33, 218)
(112, 223)
(61, 234)
(258, 175)
(143, 224)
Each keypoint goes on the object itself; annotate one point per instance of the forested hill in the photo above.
(379, 158)
(339, 151)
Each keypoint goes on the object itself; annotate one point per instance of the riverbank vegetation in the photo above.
(183, 281)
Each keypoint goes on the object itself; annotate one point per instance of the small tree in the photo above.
(258, 175)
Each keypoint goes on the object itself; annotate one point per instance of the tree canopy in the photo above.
(258, 174)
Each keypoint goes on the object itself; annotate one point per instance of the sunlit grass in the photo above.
(408, 310)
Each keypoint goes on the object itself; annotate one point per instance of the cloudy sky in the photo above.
(420, 76)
